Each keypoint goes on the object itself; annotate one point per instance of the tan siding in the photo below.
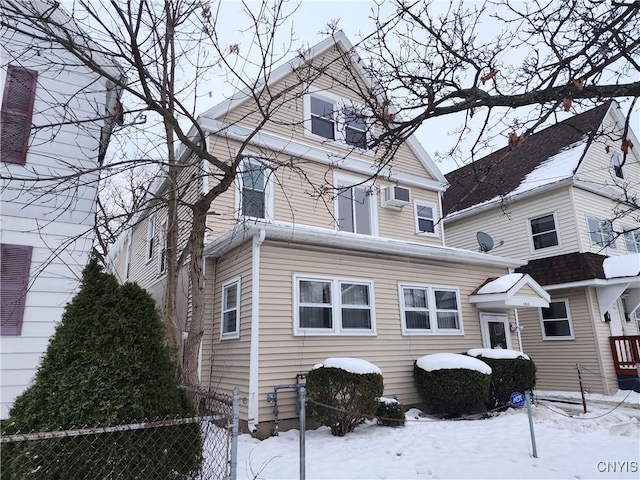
(225, 363)
(528, 291)
(602, 333)
(596, 165)
(283, 355)
(556, 359)
(512, 226)
(589, 204)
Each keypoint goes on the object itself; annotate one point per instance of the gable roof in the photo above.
(507, 292)
(548, 156)
(340, 41)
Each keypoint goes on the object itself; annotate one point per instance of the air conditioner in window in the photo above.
(395, 197)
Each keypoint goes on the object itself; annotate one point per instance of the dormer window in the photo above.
(617, 165)
(322, 118)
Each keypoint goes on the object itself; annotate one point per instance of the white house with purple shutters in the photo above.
(56, 121)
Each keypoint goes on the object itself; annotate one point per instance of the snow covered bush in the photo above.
(106, 365)
(390, 412)
(452, 384)
(511, 371)
(350, 387)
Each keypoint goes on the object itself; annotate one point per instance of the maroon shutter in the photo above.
(15, 262)
(17, 109)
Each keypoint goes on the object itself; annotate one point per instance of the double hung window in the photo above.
(334, 306)
(544, 232)
(323, 118)
(355, 209)
(430, 309)
(254, 182)
(556, 321)
(355, 129)
(425, 221)
(616, 164)
(601, 232)
(632, 239)
(230, 327)
(151, 233)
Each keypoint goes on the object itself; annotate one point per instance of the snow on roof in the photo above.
(501, 284)
(497, 353)
(353, 365)
(442, 361)
(622, 266)
(558, 167)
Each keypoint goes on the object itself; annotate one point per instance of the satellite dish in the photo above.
(485, 241)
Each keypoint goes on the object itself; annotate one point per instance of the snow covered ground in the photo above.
(603, 444)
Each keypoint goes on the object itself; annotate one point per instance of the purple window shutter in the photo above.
(17, 110)
(15, 263)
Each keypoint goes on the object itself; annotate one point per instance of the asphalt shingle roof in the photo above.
(567, 268)
(501, 172)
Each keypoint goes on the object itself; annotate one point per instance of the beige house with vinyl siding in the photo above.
(563, 192)
(310, 256)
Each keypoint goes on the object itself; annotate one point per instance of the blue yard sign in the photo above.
(517, 399)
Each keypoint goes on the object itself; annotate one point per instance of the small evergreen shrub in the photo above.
(390, 412)
(452, 391)
(352, 397)
(508, 375)
(106, 365)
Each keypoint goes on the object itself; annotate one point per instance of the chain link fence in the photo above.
(200, 447)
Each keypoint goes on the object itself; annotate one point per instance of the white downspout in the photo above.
(252, 419)
(515, 314)
(444, 242)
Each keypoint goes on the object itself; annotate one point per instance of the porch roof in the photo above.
(516, 290)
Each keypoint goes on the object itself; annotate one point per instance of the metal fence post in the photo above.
(533, 435)
(303, 415)
(233, 468)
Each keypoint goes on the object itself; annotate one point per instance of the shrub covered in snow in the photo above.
(106, 365)
(452, 384)
(511, 371)
(390, 412)
(350, 386)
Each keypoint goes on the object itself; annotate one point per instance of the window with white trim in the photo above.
(323, 121)
(254, 190)
(355, 128)
(333, 306)
(230, 319)
(162, 258)
(151, 233)
(601, 232)
(632, 239)
(127, 260)
(616, 164)
(556, 321)
(544, 231)
(354, 208)
(425, 218)
(427, 309)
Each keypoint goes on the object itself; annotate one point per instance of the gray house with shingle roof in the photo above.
(564, 200)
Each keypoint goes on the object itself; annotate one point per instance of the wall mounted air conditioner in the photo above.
(395, 197)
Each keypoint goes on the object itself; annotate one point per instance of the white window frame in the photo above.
(434, 219)
(268, 191)
(616, 162)
(336, 307)
(354, 182)
(568, 318)
(127, 258)
(151, 234)
(531, 234)
(631, 237)
(235, 333)
(162, 251)
(611, 244)
(341, 105)
(433, 311)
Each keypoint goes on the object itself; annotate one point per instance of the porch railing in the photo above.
(626, 353)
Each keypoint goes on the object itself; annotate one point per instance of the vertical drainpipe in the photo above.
(515, 313)
(252, 419)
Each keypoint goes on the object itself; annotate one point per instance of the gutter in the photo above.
(593, 282)
(289, 232)
(253, 419)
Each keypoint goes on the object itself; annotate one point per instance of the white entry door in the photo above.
(495, 330)
(617, 320)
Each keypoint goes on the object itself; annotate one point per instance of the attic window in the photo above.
(617, 166)
(322, 120)
(355, 130)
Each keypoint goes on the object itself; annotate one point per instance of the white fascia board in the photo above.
(493, 300)
(497, 201)
(593, 282)
(309, 152)
(349, 241)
